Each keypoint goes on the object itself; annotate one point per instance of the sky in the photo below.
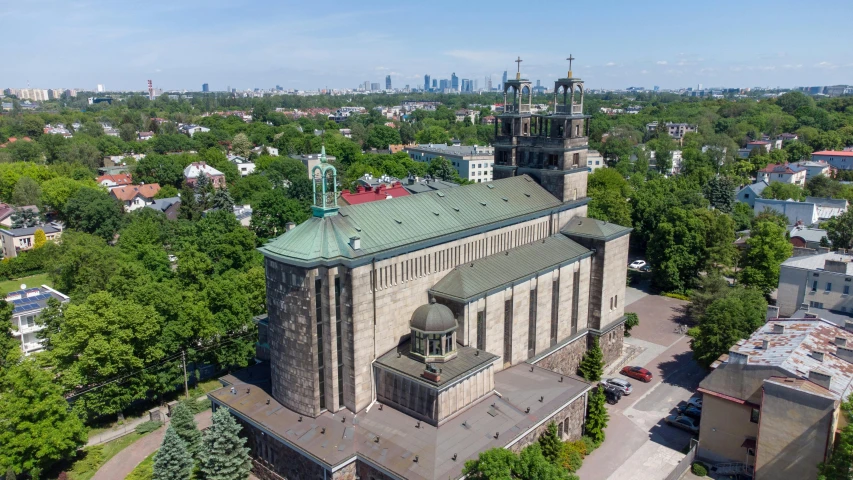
(180, 44)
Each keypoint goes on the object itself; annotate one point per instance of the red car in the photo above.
(639, 373)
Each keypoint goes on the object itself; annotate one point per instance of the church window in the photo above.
(339, 341)
(507, 332)
(555, 303)
(531, 331)
(481, 330)
(318, 300)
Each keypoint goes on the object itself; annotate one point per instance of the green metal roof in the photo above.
(495, 272)
(592, 228)
(413, 222)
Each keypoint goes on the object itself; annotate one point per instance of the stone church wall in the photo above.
(611, 344)
(565, 361)
(273, 460)
(570, 418)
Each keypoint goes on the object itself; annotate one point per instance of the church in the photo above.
(404, 337)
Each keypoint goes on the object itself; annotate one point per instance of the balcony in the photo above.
(31, 347)
(570, 109)
(517, 108)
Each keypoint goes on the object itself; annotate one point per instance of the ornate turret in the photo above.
(325, 179)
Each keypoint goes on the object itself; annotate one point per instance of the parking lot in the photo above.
(639, 445)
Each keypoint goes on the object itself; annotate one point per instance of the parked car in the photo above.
(646, 268)
(612, 394)
(638, 373)
(695, 402)
(684, 423)
(691, 411)
(637, 264)
(622, 385)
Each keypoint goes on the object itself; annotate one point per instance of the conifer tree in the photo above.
(592, 365)
(184, 425)
(172, 461)
(597, 416)
(223, 455)
(551, 444)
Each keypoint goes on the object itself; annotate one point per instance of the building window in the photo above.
(814, 286)
(754, 415)
(531, 329)
(750, 452)
(555, 304)
(846, 289)
(507, 332)
(576, 280)
(318, 300)
(828, 287)
(339, 341)
(481, 330)
(816, 304)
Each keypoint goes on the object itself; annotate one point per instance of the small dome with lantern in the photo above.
(434, 332)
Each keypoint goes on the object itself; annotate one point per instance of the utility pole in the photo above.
(184, 363)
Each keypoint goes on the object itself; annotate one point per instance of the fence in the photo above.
(685, 462)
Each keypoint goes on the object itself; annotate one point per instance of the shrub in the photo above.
(677, 295)
(580, 446)
(148, 427)
(699, 469)
(198, 407)
(589, 443)
(570, 458)
(631, 321)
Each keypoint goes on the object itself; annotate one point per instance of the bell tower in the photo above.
(551, 146)
(325, 182)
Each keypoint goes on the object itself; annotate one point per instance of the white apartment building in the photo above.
(471, 162)
(28, 303)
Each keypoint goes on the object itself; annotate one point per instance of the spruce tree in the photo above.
(172, 461)
(597, 416)
(592, 365)
(184, 425)
(223, 455)
(551, 444)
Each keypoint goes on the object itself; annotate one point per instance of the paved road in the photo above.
(126, 460)
(639, 444)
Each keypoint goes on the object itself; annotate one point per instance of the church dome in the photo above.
(433, 318)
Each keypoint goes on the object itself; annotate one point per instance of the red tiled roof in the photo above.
(834, 153)
(759, 142)
(129, 192)
(367, 194)
(15, 139)
(118, 179)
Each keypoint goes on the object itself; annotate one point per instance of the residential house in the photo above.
(27, 305)
(190, 129)
(772, 404)
(470, 162)
(134, 197)
(142, 136)
(311, 160)
(809, 212)
(759, 145)
(8, 211)
(243, 214)
(814, 169)
(804, 237)
(788, 137)
(841, 160)
(784, 173)
(19, 239)
(749, 193)
(822, 281)
(111, 132)
(488, 120)
(112, 181)
(271, 151)
(196, 169)
(594, 160)
(462, 114)
(168, 206)
(675, 130)
(243, 165)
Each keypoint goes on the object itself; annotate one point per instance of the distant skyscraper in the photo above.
(426, 82)
(503, 81)
(489, 83)
(657, 88)
(434, 83)
(454, 81)
(387, 82)
(700, 87)
(366, 85)
(374, 86)
(466, 85)
(444, 84)
(475, 84)
(205, 88)
(101, 88)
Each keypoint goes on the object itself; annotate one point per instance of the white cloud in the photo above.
(644, 72)
(610, 64)
(662, 62)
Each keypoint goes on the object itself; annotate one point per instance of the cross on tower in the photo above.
(518, 71)
(570, 64)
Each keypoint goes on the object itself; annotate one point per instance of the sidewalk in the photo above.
(121, 431)
(126, 460)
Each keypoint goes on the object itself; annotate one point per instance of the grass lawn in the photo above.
(93, 458)
(143, 471)
(33, 281)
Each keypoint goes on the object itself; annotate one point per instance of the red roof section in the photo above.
(778, 168)
(834, 153)
(15, 139)
(129, 192)
(368, 194)
(118, 179)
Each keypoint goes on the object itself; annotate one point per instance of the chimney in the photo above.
(355, 242)
(289, 226)
(778, 328)
(817, 355)
(772, 312)
(848, 325)
(844, 353)
(764, 344)
(820, 378)
(840, 342)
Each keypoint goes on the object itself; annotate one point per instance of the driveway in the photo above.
(639, 445)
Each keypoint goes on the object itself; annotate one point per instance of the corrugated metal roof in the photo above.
(502, 269)
(383, 226)
(592, 228)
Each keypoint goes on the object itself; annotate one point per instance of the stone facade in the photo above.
(611, 344)
(566, 360)
(273, 460)
(569, 425)
(367, 472)
(349, 472)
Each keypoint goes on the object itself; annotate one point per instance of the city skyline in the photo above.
(181, 46)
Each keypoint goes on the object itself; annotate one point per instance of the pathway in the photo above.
(126, 460)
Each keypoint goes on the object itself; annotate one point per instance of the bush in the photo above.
(589, 443)
(631, 321)
(570, 458)
(699, 469)
(148, 427)
(580, 446)
(198, 407)
(693, 332)
(677, 295)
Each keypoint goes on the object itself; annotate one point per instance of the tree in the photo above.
(742, 215)
(241, 145)
(94, 211)
(172, 461)
(39, 238)
(503, 464)
(430, 135)
(767, 248)
(496, 463)
(162, 169)
(381, 136)
(720, 237)
(840, 462)
(222, 200)
(56, 192)
(441, 168)
(223, 455)
(25, 217)
(127, 132)
(728, 319)
(720, 192)
(36, 428)
(10, 474)
(551, 444)
(185, 427)
(631, 321)
(189, 208)
(839, 230)
(27, 192)
(783, 191)
(85, 154)
(591, 367)
(83, 264)
(677, 250)
(596, 417)
(273, 211)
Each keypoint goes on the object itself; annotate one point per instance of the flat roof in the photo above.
(816, 262)
(468, 360)
(406, 448)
